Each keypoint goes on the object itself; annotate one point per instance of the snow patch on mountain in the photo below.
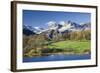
(62, 26)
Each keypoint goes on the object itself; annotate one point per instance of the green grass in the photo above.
(65, 47)
(74, 45)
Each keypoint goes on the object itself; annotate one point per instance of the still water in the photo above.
(60, 57)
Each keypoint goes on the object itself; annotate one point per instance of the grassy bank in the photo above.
(63, 47)
(75, 45)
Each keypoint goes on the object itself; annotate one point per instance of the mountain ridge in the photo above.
(60, 27)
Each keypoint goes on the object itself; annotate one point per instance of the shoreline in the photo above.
(59, 53)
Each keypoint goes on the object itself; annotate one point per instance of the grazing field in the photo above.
(75, 46)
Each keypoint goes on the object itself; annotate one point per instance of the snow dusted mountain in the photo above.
(27, 30)
(32, 30)
(52, 25)
(63, 26)
(72, 26)
(58, 27)
(86, 26)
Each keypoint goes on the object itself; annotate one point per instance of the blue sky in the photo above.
(41, 18)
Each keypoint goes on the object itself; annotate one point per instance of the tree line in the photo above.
(35, 43)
